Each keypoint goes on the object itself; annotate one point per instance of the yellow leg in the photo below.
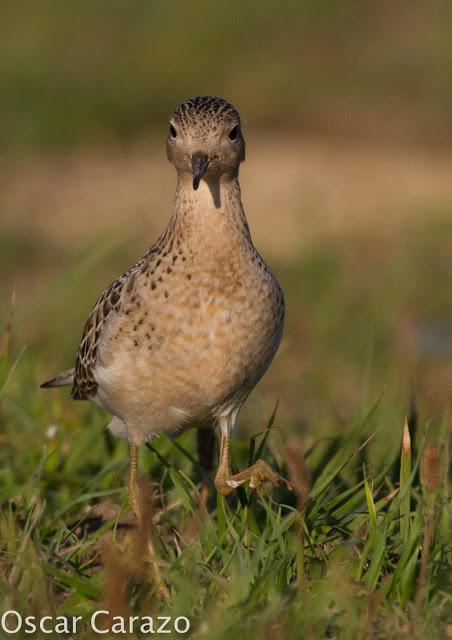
(256, 475)
(133, 489)
(143, 515)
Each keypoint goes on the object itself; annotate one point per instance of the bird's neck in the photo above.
(213, 212)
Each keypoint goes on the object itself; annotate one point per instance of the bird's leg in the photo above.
(224, 471)
(133, 488)
(144, 520)
(205, 441)
(256, 475)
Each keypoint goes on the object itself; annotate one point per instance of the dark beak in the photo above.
(199, 164)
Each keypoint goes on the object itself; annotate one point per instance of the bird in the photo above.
(182, 337)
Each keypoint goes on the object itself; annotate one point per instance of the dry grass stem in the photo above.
(300, 478)
(431, 471)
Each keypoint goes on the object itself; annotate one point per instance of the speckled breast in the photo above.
(196, 346)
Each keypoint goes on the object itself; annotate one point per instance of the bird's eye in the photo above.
(234, 132)
(173, 132)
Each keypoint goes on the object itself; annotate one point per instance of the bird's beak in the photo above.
(199, 164)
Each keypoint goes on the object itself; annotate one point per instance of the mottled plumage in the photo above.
(184, 335)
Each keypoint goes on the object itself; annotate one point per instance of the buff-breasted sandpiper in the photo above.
(183, 336)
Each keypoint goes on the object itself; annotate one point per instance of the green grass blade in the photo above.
(343, 455)
(370, 504)
(376, 560)
(255, 455)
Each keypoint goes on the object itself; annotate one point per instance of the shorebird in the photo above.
(183, 336)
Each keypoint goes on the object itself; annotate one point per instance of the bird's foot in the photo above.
(256, 475)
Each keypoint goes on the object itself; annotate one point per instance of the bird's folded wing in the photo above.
(62, 379)
(84, 384)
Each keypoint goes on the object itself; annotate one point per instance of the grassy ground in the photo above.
(362, 549)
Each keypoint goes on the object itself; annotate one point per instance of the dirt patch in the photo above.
(293, 189)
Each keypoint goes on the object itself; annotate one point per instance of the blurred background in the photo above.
(347, 183)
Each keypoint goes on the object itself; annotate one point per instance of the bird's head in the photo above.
(205, 139)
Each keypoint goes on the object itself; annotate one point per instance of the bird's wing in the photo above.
(109, 303)
(62, 379)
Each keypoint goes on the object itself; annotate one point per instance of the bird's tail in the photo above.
(62, 379)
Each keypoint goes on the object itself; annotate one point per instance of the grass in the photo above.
(358, 551)
(334, 66)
